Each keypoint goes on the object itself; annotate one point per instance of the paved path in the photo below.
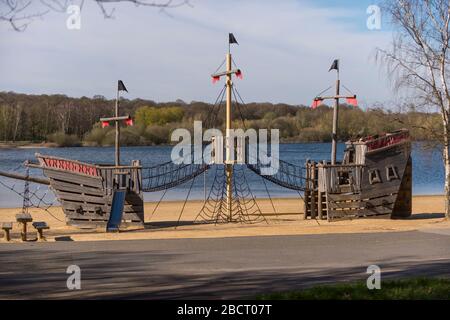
(215, 268)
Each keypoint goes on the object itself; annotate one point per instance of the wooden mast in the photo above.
(229, 152)
(335, 121)
(116, 119)
(228, 161)
(336, 98)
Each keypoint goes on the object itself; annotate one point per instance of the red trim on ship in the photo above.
(71, 166)
(386, 140)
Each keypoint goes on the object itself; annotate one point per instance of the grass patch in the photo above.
(405, 289)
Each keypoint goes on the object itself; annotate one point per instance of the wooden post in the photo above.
(324, 194)
(40, 234)
(23, 234)
(335, 122)
(313, 191)
(306, 194)
(136, 176)
(228, 164)
(319, 193)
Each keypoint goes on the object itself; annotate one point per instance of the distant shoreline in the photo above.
(27, 145)
(44, 144)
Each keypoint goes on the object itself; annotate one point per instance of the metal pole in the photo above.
(228, 164)
(117, 142)
(335, 122)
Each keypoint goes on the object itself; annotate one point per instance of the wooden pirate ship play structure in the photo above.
(86, 191)
(374, 177)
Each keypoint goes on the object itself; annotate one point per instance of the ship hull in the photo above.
(85, 191)
(375, 178)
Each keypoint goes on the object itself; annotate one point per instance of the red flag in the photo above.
(239, 74)
(105, 124)
(215, 79)
(316, 103)
(352, 101)
(129, 122)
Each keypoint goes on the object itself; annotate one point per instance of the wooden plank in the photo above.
(101, 224)
(377, 193)
(306, 193)
(69, 205)
(376, 210)
(395, 145)
(346, 205)
(343, 197)
(313, 192)
(90, 216)
(70, 187)
(361, 204)
(75, 197)
(93, 216)
(72, 205)
(74, 178)
(319, 204)
(390, 199)
(342, 214)
(403, 204)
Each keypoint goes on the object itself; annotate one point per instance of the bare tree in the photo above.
(20, 13)
(418, 60)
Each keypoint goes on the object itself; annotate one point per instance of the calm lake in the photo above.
(428, 173)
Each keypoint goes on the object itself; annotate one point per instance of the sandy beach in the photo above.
(287, 220)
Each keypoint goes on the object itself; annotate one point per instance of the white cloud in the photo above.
(285, 50)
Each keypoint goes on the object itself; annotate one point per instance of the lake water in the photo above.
(428, 173)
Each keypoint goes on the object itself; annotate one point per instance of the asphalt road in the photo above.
(221, 268)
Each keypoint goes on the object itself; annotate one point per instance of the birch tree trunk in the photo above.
(418, 58)
(446, 159)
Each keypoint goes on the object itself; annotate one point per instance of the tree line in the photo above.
(67, 121)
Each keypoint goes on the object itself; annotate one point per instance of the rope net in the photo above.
(34, 195)
(244, 208)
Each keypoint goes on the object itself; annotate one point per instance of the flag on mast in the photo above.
(121, 86)
(316, 102)
(334, 65)
(352, 101)
(232, 39)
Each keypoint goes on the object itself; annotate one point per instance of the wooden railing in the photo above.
(121, 177)
(387, 140)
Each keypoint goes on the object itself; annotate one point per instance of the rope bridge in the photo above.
(169, 175)
(289, 175)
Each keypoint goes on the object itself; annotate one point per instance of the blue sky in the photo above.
(286, 48)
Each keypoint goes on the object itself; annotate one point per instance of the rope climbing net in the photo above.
(34, 195)
(244, 208)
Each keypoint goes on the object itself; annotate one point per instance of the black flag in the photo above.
(121, 86)
(232, 39)
(334, 65)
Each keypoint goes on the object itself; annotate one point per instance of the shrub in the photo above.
(64, 140)
(97, 136)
